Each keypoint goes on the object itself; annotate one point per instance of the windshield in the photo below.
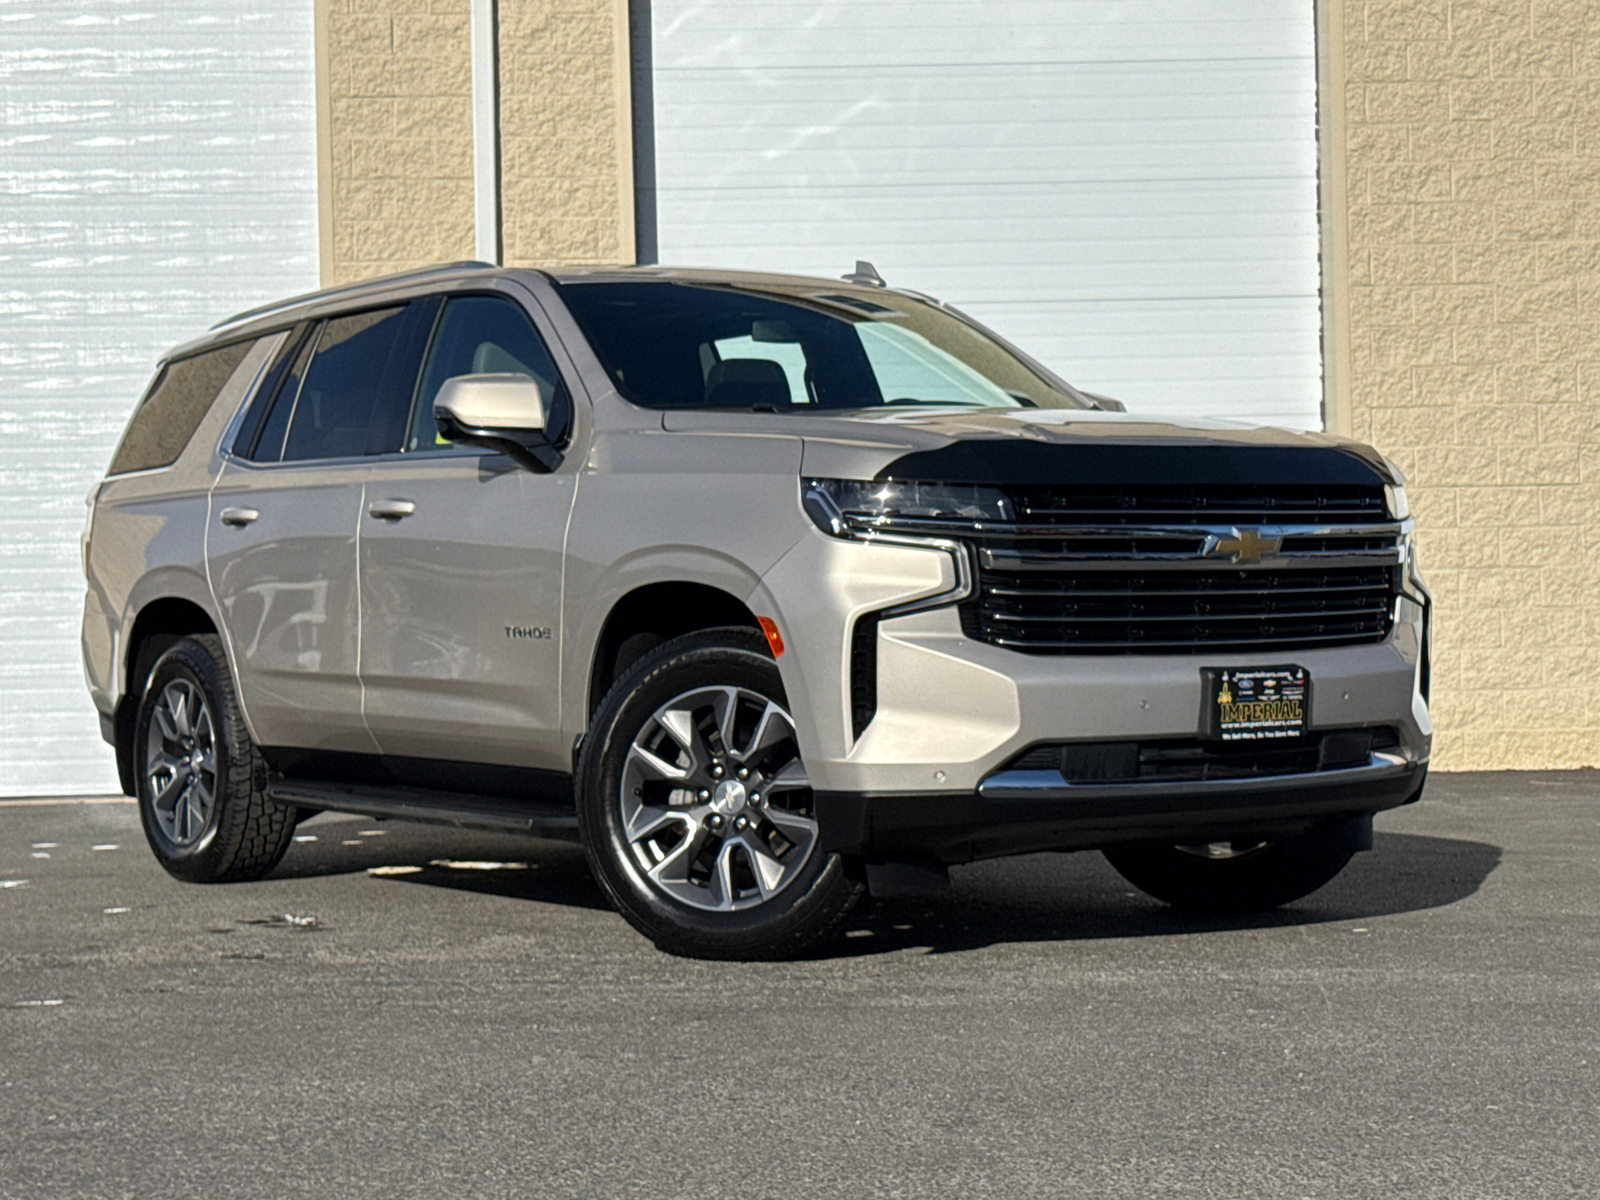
(671, 344)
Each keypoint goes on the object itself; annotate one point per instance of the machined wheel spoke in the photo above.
(169, 729)
(679, 723)
(195, 803)
(672, 872)
(722, 877)
(163, 762)
(650, 819)
(658, 767)
(179, 699)
(768, 871)
(791, 778)
(800, 830)
(171, 790)
(727, 717)
(773, 727)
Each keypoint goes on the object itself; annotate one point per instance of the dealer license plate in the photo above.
(1258, 704)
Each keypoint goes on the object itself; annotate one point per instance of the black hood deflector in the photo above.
(1001, 461)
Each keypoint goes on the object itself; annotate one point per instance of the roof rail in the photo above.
(330, 293)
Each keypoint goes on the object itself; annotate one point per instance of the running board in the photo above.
(535, 818)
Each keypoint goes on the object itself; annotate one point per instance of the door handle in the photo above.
(391, 510)
(238, 517)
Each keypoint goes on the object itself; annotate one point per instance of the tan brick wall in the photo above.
(566, 122)
(395, 92)
(1472, 150)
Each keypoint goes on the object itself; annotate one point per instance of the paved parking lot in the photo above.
(404, 1011)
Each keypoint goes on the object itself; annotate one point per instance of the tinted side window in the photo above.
(480, 335)
(333, 411)
(171, 410)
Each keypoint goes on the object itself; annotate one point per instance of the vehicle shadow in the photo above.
(490, 864)
(1078, 897)
(1032, 898)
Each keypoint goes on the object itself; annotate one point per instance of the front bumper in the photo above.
(1017, 812)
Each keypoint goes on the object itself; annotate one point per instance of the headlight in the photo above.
(1395, 493)
(1394, 496)
(851, 507)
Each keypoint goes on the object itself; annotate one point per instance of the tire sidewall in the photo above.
(730, 657)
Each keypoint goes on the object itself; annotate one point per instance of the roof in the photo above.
(281, 313)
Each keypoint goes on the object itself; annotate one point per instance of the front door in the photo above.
(461, 568)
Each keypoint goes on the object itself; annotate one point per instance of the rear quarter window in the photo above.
(171, 410)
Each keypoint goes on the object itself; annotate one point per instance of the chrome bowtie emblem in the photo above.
(1244, 546)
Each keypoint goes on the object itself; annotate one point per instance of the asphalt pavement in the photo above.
(405, 1011)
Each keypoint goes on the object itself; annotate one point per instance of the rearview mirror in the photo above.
(502, 412)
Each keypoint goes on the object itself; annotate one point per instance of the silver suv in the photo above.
(772, 591)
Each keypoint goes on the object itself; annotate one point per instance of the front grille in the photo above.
(1170, 570)
(1168, 612)
(1188, 760)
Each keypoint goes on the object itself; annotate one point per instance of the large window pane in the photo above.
(333, 412)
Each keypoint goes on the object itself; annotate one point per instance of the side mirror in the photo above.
(500, 412)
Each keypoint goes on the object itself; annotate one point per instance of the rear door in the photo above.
(461, 565)
(284, 512)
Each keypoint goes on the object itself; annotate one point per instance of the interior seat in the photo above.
(747, 383)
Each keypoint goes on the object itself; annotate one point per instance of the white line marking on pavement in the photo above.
(67, 800)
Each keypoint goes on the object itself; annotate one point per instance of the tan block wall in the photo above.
(394, 83)
(395, 134)
(566, 125)
(1472, 152)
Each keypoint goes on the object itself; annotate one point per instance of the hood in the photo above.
(1044, 446)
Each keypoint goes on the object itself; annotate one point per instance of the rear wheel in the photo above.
(696, 810)
(1245, 876)
(201, 782)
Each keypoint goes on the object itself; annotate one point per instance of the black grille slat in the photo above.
(1068, 590)
(1030, 599)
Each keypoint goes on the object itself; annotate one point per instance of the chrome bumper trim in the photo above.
(1051, 785)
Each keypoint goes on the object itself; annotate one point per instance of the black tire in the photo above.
(201, 782)
(711, 868)
(1227, 877)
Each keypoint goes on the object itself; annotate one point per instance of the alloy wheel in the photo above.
(716, 807)
(181, 763)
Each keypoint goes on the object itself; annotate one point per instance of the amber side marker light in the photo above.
(774, 638)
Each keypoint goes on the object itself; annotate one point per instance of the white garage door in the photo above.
(158, 173)
(1127, 190)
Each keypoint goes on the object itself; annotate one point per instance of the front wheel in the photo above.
(696, 811)
(1227, 876)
